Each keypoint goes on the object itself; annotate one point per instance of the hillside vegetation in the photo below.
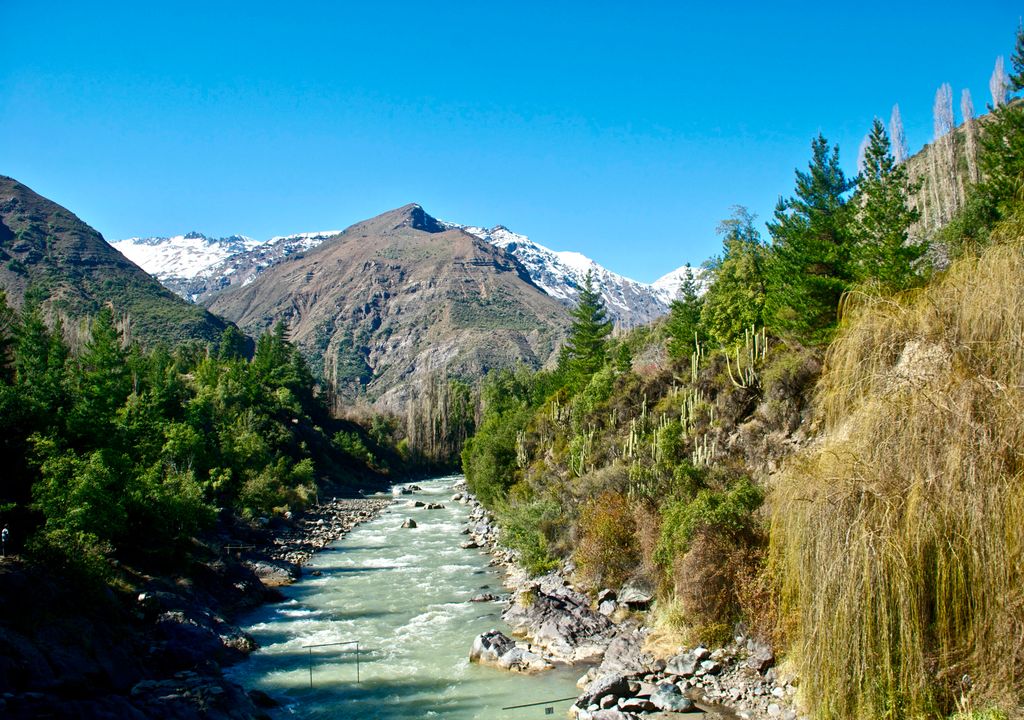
(49, 256)
(868, 524)
(118, 453)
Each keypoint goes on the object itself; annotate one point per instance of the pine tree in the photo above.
(684, 327)
(1001, 158)
(810, 264)
(735, 297)
(232, 344)
(883, 217)
(583, 353)
(104, 381)
(1016, 80)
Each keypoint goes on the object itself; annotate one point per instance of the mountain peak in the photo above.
(413, 215)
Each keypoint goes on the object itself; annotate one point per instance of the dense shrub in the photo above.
(607, 554)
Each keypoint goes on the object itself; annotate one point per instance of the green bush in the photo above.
(525, 527)
(728, 512)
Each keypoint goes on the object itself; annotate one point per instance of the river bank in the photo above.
(627, 676)
(413, 591)
(157, 648)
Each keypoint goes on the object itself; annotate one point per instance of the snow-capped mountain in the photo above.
(182, 256)
(561, 274)
(198, 267)
(668, 285)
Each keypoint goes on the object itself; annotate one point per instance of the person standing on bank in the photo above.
(3, 542)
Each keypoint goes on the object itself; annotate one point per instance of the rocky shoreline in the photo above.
(624, 680)
(160, 653)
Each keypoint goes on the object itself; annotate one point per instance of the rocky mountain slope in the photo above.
(198, 268)
(47, 250)
(395, 302)
(561, 274)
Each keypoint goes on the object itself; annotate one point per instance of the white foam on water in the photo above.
(403, 593)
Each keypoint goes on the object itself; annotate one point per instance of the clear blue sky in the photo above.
(622, 130)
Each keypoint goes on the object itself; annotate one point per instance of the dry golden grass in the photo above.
(899, 540)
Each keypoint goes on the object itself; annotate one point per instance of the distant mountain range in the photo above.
(396, 306)
(198, 267)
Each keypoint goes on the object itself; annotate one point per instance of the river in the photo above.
(404, 595)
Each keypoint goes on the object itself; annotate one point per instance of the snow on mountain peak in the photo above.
(562, 273)
(195, 266)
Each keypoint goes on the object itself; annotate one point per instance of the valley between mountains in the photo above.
(787, 484)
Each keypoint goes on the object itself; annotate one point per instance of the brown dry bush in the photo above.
(710, 581)
(607, 554)
(899, 539)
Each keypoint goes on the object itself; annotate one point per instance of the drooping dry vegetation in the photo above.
(899, 539)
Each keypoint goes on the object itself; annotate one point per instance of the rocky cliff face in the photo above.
(46, 248)
(396, 302)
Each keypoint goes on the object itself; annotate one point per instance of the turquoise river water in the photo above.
(404, 595)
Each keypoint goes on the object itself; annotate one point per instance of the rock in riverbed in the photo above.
(497, 649)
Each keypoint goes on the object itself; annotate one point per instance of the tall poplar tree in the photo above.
(812, 248)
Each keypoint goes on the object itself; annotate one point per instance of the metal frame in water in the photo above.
(347, 642)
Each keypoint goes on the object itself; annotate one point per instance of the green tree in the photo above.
(684, 325)
(810, 266)
(232, 344)
(104, 381)
(1001, 166)
(736, 293)
(584, 350)
(7, 340)
(883, 217)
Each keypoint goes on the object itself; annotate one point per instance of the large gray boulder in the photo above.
(615, 686)
(625, 654)
(760, 656)
(488, 647)
(670, 698)
(560, 620)
(635, 598)
(684, 664)
(497, 649)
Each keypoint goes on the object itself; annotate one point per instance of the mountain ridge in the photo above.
(48, 250)
(558, 273)
(398, 302)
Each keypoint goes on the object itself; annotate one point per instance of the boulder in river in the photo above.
(560, 620)
(469, 545)
(409, 523)
(497, 649)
